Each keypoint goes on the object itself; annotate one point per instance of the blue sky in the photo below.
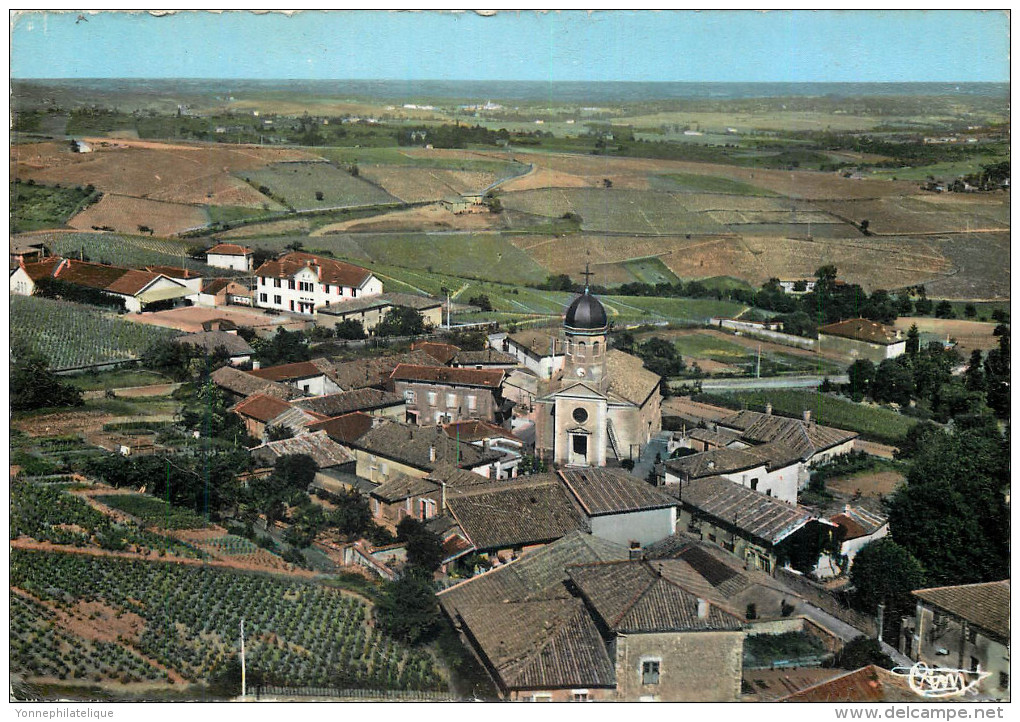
(743, 46)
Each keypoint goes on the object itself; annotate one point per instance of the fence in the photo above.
(406, 695)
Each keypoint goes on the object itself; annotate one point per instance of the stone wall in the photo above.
(693, 666)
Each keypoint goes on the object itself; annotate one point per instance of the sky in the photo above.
(677, 46)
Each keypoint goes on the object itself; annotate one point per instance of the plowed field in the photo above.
(125, 214)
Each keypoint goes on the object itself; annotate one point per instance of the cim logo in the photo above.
(940, 682)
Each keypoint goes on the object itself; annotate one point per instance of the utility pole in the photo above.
(243, 690)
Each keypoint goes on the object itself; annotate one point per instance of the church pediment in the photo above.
(580, 390)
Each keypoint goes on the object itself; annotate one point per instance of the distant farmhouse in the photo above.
(232, 256)
(862, 338)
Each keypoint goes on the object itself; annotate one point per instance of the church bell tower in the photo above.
(585, 328)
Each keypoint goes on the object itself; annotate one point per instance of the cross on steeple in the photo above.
(586, 275)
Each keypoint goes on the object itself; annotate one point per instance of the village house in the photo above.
(861, 338)
(224, 292)
(856, 528)
(330, 457)
(754, 527)
(138, 289)
(486, 435)
(577, 620)
(965, 627)
(239, 385)
(438, 395)
(301, 283)
(210, 342)
(444, 353)
(313, 378)
(538, 350)
(185, 276)
(232, 256)
(390, 448)
(620, 507)
(260, 412)
(772, 469)
(603, 403)
(420, 498)
(369, 311)
(370, 401)
(375, 371)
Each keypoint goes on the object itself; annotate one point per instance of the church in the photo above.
(599, 404)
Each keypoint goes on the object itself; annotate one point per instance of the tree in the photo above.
(33, 385)
(944, 309)
(974, 376)
(278, 433)
(482, 301)
(952, 513)
(352, 516)
(860, 652)
(283, 348)
(424, 548)
(401, 321)
(350, 329)
(915, 439)
(169, 357)
(408, 609)
(884, 572)
(295, 471)
(913, 340)
(893, 383)
(864, 226)
(661, 357)
(861, 374)
(970, 310)
(318, 195)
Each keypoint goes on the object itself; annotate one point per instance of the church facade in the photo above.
(601, 404)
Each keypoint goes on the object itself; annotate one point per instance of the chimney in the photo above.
(702, 609)
(318, 271)
(432, 453)
(768, 409)
(807, 416)
(256, 365)
(635, 550)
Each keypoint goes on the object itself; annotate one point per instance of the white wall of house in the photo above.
(544, 367)
(317, 385)
(304, 292)
(779, 483)
(237, 263)
(645, 527)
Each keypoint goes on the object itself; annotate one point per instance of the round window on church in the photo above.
(580, 415)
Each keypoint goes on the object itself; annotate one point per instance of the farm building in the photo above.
(438, 395)
(224, 292)
(24, 250)
(240, 385)
(370, 401)
(970, 622)
(772, 469)
(620, 507)
(237, 349)
(370, 310)
(189, 278)
(603, 403)
(861, 338)
(136, 288)
(313, 378)
(302, 283)
(260, 411)
(231, 255)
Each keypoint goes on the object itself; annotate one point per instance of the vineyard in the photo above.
(47, 513)
(308, 186)
(122, 250)
(297, 633)
(153, 512)
(125, 214)
(73, 335)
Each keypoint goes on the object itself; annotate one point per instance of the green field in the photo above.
(154, 512)
(615, 211)
(34, 207)
(877, 424)
(72, 334)
(116, 379)
(692, 183)
(297, 633)
(650, 270)
(297, 185)
(705, 346)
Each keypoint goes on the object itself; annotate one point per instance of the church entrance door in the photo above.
(579, 449)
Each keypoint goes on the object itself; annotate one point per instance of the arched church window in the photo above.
(581, 349)
(595, 349)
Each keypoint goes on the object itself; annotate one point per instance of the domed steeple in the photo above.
(586, 313)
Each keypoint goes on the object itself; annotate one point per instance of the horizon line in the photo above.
(509, 80)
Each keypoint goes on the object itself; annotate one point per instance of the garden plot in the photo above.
(125, 214)
(300, 185)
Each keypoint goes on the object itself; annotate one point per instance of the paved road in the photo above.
(657, 445)
(767, 382)
(846, 632)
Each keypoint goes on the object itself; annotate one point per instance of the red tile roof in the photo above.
(867, 684)
(286, 372)
(443, 352)
(174, 271)
(125, 281)
(489, 378)
(131, 282)
(229, 249)
(476, 430)
(261, 407)
(332, 272)
(862, 329)
(346, 428)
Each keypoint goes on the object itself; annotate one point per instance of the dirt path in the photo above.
(134, 392)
